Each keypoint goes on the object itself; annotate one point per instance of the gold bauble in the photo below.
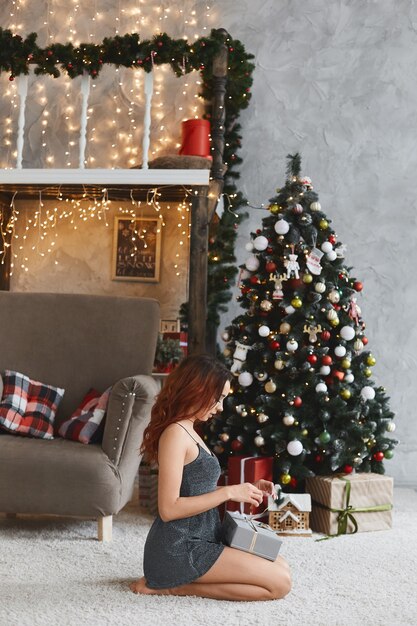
(254, 297)
(275, 208)
(296, 302)
(279, 364)
(285, 479)
(345, 394)
(371, 360)
(266, 305)
(346, 363)
(335, 322)
(307, 279)
(227, 352)
(304, 432)
(284, 328)
(323, 224)
(367, 372)
(224, 437)
(270, 386)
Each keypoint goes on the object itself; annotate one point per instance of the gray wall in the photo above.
(336, 81)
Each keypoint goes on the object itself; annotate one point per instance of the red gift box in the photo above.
(248, 469)
(183, 339)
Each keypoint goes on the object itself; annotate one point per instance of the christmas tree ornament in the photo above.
(252, 263)
(225, 336)
(266, 305)
(307, 279)
(274, 208)
(262, 418)
(313, 261)
(274, 345)
(292, 345)
(357, 461)
(325, 335)
(370, 360)
(339, 375)
(312, 332)
(354, 310)
(334, 296)
(218, 449)
(292, 265)
(324, 437)
(227, 352)
(345, 394)
(296, 302)
(334, 322)
(224, 437)
(323, 224)
(281, 227)
(288, 419)
(295, 447)
(285, 479)
(331, 256)
(349, 378)
(325, 370)
(332, 239)
(249, 246)
(364, 340)
(340, 351)
(254, 280)
(388, 454)
(270, 386)
(304, 432)
(297, 209)
(264, 330)
(284, 328)
(312, 358)
(240, 408)
(346, 363)
(277, 280)
(390, 427)
(236, 445)
(321, 388)
(378, 456)
(367, 372)
(357, 285)
(260, 376)
(320, 287)
(297, 401)
(289, 309)
(331, 315)
(326, 247)
(239, 356)
(279, 364)
(315, 206)
(347, 333)
(259, 441)
(260, 243)
(358, 345)
(347, 469)
(245, 379)
(270, 266)
(326, 359)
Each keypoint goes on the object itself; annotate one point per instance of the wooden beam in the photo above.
(197, 292)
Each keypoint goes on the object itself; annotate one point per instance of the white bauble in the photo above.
(245, 379)
(349, 378)
(320, 287)
(239, 408)
(281, 227)
(252, 263)
(358, 345)
(289, 309)
(340, 351)
(368, 393)
(326, 247)
(292, 345)
(279, 364)
(295, 447)
(315, 206)
(225, 336)
(325, 370)
(262, 418)
(347, 332)
(390, 427)
(261, 243)
(288, 420)
(259, 441)
(249, 246)
(334, 296)
(321, 388)
(264, 330)
(331, 314)
(332, 256)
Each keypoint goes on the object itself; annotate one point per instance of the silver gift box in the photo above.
(250, 536)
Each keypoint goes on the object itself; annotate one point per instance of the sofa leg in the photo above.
(105, 528)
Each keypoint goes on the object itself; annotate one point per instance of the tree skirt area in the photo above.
(54, 572)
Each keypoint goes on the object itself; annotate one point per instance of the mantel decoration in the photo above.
(18, 55)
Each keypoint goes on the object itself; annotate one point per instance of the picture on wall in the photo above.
(136, 249)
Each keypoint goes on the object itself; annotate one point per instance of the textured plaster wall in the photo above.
(336, 81)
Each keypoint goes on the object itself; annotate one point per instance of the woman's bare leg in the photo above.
(236, 575)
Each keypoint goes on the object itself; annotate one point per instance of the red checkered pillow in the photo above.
(86, 424)
(28, 407)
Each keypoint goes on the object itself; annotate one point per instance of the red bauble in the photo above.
(294, 283)
(236, 445)
(11, 78)
(254, 280)
(245, 289)
(270, 266)
(297, 401)
(357, 285)
(312, 359)
(339, 375)
(326, 360)
(269, 250)
(364, 340)
(318, 458)
(348, 469)
(337, 307)
(258, 231)
(329, 380)
(342, 276)
(332, 239)
(274, 345)
(293, 482)
(378, 456)
(325, 335)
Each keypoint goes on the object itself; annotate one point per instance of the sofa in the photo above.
(75, 342)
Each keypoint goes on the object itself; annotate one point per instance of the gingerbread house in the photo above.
(289, 514)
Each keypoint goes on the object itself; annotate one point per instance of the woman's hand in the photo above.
(245, 492)
(267, 488)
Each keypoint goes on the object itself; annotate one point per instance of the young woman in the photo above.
(184, 554)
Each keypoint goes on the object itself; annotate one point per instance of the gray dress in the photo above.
(180, 551)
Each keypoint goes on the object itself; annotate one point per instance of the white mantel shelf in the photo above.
(105, 177)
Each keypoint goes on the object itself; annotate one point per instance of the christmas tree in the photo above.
(302, 391)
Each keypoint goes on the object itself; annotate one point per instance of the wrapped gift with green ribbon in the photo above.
(346, 504)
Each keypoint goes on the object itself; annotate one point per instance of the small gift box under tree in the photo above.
(347, 504)
(289, 513)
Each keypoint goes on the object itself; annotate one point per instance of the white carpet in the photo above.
(53, 572)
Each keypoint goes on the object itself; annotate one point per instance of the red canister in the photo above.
(196, 138)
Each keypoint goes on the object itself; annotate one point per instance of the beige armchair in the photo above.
(77, 342)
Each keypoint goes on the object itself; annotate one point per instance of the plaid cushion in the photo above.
(86, 424)
(28, 406)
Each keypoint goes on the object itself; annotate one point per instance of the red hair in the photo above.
(191, 389)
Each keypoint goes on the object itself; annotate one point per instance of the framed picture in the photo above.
(136, 249)
(170, 326)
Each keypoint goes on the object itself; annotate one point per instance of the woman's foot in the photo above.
(139, 586)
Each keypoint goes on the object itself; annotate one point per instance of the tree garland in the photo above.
(17, 55)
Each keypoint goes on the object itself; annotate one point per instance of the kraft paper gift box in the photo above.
(247, 469)
(250, 536)
(349, 503)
